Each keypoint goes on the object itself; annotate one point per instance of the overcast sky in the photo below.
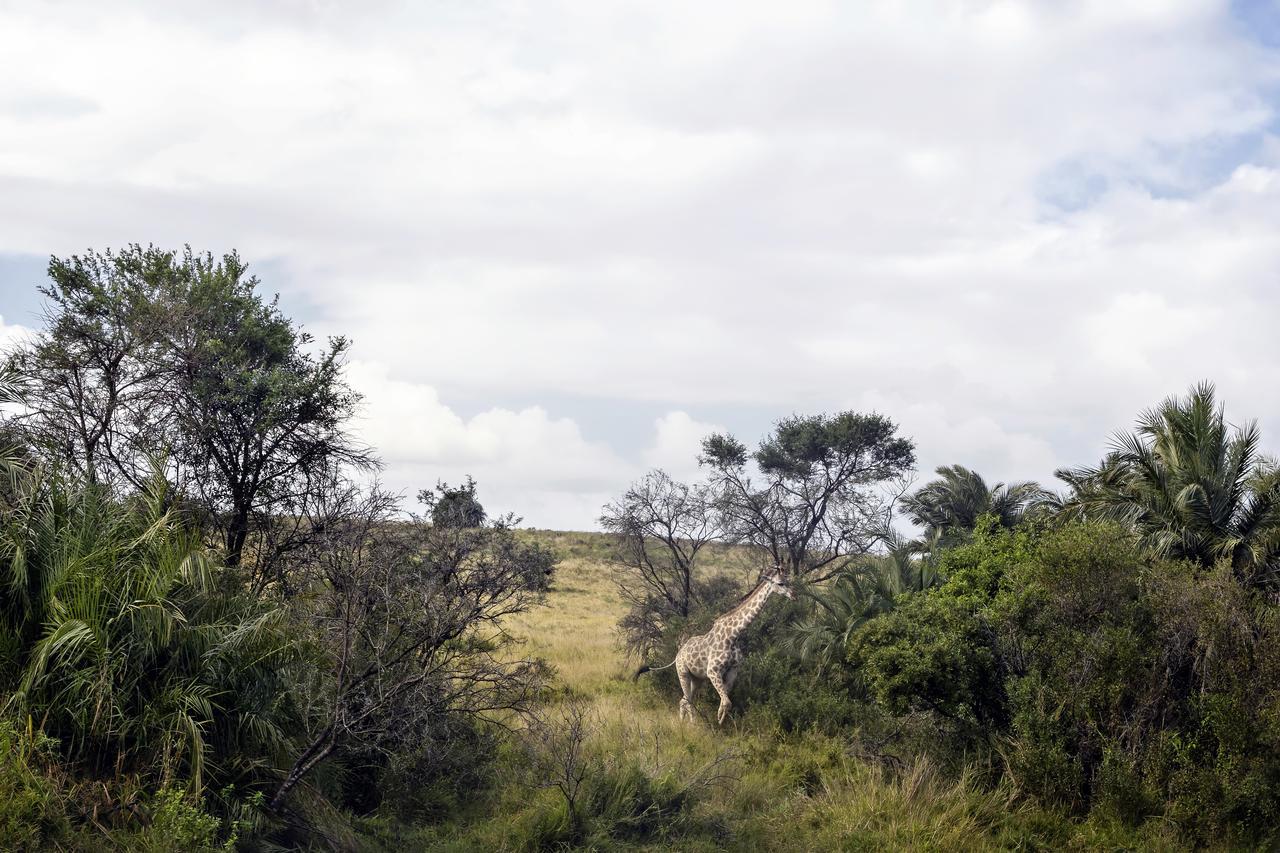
(571, 238)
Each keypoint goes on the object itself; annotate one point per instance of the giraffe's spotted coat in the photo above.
(715, 656)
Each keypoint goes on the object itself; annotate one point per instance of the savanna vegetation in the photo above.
(218, 632)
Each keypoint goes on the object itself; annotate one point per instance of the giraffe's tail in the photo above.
(642, 670)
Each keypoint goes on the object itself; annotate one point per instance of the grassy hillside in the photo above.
(655, 784)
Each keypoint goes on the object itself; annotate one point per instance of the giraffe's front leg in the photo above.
(715, 675)
(732, 667)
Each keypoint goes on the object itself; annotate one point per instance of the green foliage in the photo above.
(859, 593)
(36, 797)
(935, 651)
(800, 443)
(1109, 681)
(931, 655)
(130, 651)
(776, 688)
(949, 508)
(430, 776)
(32, 810)
(1191, 487)
(178, 826)
(814, 508)
(157, 355)
(453, 506)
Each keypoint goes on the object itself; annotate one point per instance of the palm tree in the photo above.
(1192, 486)
(858, 594)
(117, 638)
(949, 508)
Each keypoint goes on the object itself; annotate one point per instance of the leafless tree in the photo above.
(659, 526)
(558, 757)
(408, 618)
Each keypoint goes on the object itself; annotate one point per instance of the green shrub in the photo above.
(626, 803)
(776, 687)
(179, 826)
(1107, 680)
(32, 807)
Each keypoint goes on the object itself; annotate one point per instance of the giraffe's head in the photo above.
(778, 582)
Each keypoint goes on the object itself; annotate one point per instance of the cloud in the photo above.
(1011, 225)
(677, 444)
(975, 440)
(12, 334)
(525, 461)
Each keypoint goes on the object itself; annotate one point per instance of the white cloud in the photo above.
(1015, 224)
(677, 444)
(974, 440)
(525, 461)
(12, 334)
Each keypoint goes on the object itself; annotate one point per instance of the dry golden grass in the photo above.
(574, 630)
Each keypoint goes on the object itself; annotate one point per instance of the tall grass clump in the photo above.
(124, 643)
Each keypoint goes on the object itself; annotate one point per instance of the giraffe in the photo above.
(715, 656)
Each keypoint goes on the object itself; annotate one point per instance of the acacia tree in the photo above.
(659, 526)
(818, 501)
(153, 355)
(408, 619)
(93, 381)
(260, 419)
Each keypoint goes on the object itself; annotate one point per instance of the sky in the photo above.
(569, 239)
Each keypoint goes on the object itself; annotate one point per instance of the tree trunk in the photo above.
(237, 534)
(318, 751)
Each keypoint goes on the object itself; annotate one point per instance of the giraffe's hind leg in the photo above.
(686, 688)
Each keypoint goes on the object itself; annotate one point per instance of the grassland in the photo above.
(657, 784)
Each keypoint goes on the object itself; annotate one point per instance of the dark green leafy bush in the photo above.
(32, 811)
(1104, 678)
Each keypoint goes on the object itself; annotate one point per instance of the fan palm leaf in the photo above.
(949, 507)
(126, 648)
(1191, 485)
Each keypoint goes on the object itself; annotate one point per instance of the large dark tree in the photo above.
(453, 506)
(819, 499)
(260, 418)
(1192, 486)
(155, 357)
(96, 379)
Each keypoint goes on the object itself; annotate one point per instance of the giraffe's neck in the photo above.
(737, 620)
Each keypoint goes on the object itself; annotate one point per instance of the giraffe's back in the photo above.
(692, 657)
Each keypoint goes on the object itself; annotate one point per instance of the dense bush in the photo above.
(1105, 678)
(425, 778)
(32, 811)
(42, 807)
(127, 648)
